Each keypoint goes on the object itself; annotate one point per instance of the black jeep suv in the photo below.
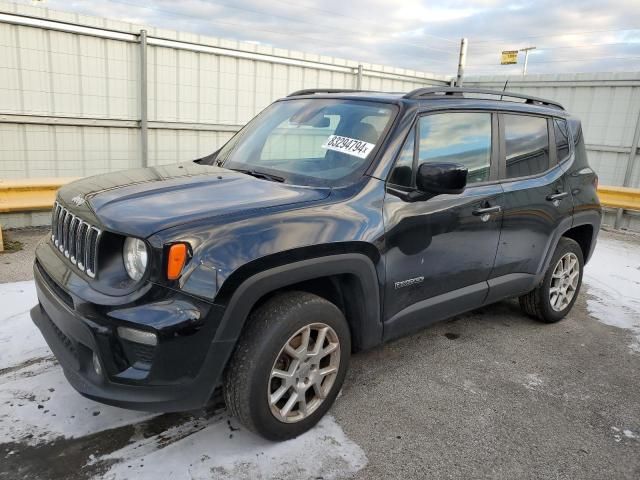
(332, 222)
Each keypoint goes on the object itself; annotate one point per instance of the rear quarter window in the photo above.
(561, 132)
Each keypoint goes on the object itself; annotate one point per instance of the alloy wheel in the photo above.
(564, 281)
(304, 372)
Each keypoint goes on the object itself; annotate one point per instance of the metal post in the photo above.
(359, 78)
(461, 61)
(632, 155)
(144, 132)
(526, 58)
(618, 221)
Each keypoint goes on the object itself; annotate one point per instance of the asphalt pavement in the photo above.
(488, 394)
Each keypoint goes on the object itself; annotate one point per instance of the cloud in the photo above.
(413, 34)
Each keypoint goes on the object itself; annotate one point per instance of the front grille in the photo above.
(76, 239)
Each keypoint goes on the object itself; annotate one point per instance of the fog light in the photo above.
(138, 336)
(96, 364)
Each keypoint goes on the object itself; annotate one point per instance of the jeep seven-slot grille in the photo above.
(76, 239)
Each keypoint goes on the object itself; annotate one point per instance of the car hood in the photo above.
(143, 201)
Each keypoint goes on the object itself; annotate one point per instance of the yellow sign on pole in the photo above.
(509, 57)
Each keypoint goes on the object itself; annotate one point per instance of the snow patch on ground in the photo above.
(222, 450)
(612, 278)
(20, 340)
(532, 381)
(619, 434)
(38, 406)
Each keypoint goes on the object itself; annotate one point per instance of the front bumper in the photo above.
(180, 374)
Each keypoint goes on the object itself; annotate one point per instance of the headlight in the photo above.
(135, 257)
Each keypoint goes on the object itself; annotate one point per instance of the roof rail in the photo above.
(443, 92)
(311, 91)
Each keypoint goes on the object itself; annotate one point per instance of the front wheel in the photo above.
(557, 292)
(288, 366)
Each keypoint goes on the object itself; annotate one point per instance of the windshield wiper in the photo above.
(262, 175)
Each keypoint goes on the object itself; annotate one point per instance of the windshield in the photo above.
(309, 142)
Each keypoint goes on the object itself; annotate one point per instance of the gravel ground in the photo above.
(16, 266)
(489, 394)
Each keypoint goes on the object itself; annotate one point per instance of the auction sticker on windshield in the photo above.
(347, 145)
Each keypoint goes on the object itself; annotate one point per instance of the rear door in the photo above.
(536, 199)
(440, 251)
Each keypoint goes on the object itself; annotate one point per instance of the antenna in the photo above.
(504, 88)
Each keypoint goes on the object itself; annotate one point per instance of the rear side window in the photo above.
(457, 137)
(561, 132)
(527, 145)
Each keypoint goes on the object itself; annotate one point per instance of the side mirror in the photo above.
(441, 178)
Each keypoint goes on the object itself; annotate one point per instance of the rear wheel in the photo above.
(557, 292)
(289, 365)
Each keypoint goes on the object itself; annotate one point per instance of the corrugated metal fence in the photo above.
(74, 100)
(608, 105)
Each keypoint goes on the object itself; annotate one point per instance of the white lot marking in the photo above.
(350, 146)
(612, 278)
(37, 405)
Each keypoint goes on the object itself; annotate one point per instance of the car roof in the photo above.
(437, 98)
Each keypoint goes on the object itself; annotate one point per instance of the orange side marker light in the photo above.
(177, 259)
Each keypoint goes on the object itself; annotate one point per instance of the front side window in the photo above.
(402, 173)
(527, 145)
(310, 141)
(457, 137)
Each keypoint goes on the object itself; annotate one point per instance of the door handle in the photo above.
(487, 210)
(557, 196)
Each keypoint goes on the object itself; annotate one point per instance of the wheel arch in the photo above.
(582, 228)
(348, 279)
(583, 236)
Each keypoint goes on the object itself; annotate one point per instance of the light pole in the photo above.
(526, 58)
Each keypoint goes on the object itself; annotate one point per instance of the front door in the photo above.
(440, 251)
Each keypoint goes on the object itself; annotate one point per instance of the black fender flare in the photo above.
(255, 287)
(591, 217)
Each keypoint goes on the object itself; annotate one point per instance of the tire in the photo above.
(255, 373)
(541, 303)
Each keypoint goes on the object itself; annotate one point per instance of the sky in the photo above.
(569, 36)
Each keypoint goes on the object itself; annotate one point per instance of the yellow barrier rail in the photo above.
(31, 195)
(619, 197)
